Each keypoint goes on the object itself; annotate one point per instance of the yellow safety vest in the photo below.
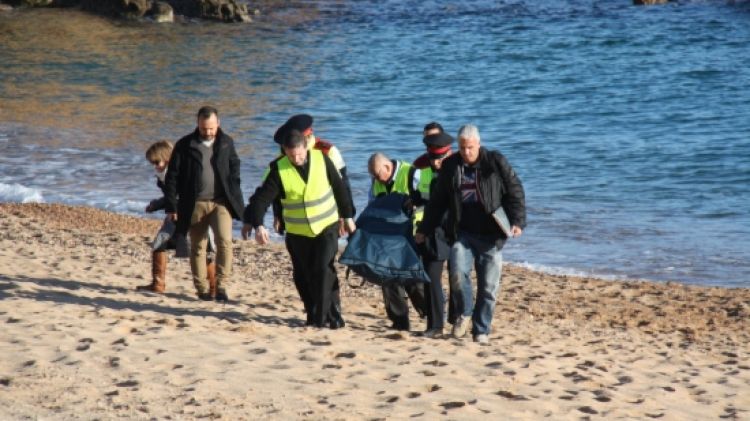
(307, 207)
(400, 182)
(425, 179)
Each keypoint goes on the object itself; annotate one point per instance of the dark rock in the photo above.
(128, 9)
(31, 3)
(161, 12)
(221, 10)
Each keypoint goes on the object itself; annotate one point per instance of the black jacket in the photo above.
(497, 183)
(184, 175)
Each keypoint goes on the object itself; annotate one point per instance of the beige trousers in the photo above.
(208, 213)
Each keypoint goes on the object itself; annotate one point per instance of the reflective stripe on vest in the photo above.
(307, 208)
(400, 182)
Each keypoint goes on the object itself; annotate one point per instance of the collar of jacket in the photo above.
(219, 137)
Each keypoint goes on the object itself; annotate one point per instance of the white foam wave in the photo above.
(559, 270)
(19, 194)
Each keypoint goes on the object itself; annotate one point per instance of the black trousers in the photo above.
(314, 276)
(435, 300)
(396, 307)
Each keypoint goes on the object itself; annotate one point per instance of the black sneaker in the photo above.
(221, 295)
(336, 323)
(205, 296)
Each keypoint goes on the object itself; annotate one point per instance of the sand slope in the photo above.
(78, 342)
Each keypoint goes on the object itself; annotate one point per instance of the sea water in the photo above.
(628, 126)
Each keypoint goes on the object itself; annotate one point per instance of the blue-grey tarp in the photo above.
(382, 249)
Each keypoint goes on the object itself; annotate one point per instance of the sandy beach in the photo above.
(78, 342)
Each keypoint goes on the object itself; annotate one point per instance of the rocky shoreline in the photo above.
(158, 10)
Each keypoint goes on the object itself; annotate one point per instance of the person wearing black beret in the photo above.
(313, 202)
(435, 250)
(302, 123)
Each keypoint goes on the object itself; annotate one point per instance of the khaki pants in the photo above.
(208, 213)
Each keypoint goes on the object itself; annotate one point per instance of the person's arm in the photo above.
(514, 199)
(340, 193)
(234, 166)
(264, 195)
(157, 204)
(170, 183)
(348, 187)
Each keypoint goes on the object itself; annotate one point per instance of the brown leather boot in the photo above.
(211, 277)
(158, 273)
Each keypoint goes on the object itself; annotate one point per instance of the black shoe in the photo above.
(337, 323)
(399, 326)
(205, 296)
(221, 295)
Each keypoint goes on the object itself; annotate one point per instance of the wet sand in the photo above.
(78, 342)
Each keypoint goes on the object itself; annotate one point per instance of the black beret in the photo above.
(281, 134)
(299, 122)
(438, 140)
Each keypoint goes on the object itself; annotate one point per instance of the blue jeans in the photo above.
(480, 252)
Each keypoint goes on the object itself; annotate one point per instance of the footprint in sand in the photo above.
(433, 388)
(588, 410)
(128, 383)
(453, 404)
(346, 355)
(601, 396)
(510, 395)
(121, 341)
(84, 344)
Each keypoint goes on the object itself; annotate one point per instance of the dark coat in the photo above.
(497, 183)
(184, 175)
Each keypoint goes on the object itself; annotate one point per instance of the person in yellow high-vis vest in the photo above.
(316, 209)
(391, 176)
(304, 124)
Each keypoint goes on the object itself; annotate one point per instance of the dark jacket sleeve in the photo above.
(347, 185)
(514, 199)
(170, 181)
(340, 191)
(264, 195)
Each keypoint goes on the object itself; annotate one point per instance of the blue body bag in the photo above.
(382, 249)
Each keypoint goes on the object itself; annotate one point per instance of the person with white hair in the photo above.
(474, 186)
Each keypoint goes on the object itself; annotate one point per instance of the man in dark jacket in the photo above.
(472, 186)
(204, 173)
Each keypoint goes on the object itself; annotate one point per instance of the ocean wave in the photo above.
(19, 194)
